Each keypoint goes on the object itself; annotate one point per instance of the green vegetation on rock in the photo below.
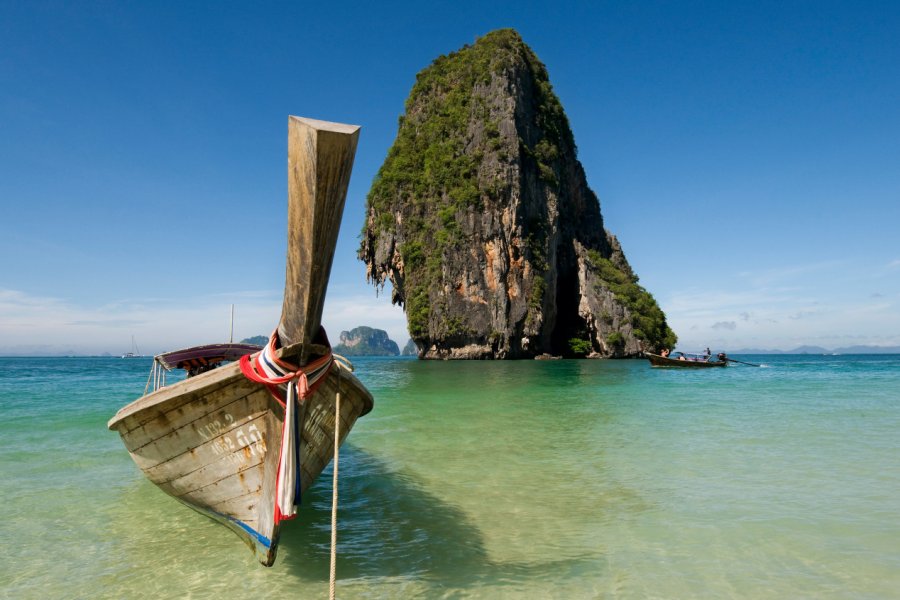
(366, 341)
(580, 347)
(647, 318)
(480, 217)
(433, 165)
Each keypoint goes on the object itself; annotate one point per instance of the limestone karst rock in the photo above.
(366, 341)
(482, 220)
(410, 349)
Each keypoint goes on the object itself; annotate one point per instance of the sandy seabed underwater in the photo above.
(520, 479)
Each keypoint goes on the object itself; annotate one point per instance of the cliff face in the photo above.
(410, 349)
(366, 341)
(482, 220)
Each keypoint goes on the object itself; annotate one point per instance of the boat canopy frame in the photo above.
(204, 358)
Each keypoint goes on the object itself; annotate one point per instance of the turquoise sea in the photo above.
(529, 479)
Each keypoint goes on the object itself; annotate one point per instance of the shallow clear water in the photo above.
(529, 479)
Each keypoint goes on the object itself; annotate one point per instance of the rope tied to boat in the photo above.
(266, 368)
(334, 484)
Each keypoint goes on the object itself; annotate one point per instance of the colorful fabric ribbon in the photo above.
(301, 382)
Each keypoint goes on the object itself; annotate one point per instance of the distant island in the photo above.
(366, 341)
(360, 341)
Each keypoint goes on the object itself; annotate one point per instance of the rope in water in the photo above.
(334, 487)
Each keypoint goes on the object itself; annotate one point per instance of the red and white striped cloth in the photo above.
(266, 368)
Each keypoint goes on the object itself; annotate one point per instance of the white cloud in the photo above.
(801, 314)
(710, 303)
(826, 303)
(55, 325)
(31, 324)
(781, 318)
(791, 273)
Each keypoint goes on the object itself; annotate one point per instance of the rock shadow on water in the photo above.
(389, 526)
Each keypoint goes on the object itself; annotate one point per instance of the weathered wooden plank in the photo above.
(237, 485)
(317, 439)
(213, 473)
(210, 414)
(187, 449)
(320, 159)
(265, 509)
(199, 465)
(177, 394)
(242, 505)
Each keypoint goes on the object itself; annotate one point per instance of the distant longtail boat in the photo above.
(240, 443)
(686, 360)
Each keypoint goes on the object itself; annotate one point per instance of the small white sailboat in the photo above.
(135, 353)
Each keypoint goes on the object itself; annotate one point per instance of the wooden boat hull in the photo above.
(213, 442)
(662, 361)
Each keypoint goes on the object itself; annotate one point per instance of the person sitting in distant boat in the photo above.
(664, 353)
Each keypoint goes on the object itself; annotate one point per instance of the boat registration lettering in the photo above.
(228, 444)
(215, 428)
(223, 445)
(255, 441)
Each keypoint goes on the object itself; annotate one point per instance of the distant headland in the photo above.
(821, 350)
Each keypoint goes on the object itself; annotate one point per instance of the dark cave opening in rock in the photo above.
(569, 325)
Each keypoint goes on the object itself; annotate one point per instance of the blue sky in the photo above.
(747, 155)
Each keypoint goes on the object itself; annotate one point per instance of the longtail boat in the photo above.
(686, 360)
(240, 443)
